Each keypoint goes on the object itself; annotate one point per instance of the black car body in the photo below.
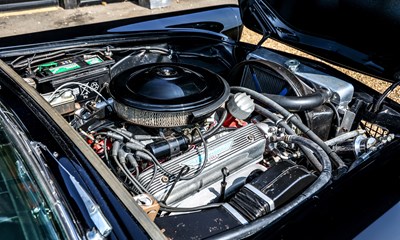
(169, 127)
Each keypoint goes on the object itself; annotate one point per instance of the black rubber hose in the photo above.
(205, 159)
(268, 114)
(318, 151)
(185, 169)
(124, 134)
(144, 153)
(166, 208)
(221, 120)
(341, 167)
(210, 133)
(284, 73)
(331, 106)
(245, 231)
(390, 89)
(300, 103)
(115, 148)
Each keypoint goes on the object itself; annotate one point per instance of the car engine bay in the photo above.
(210, 131)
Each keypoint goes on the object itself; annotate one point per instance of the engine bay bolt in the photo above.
(108, 52)
(251, 138)
(272, 130)
(167, 72)
(164, 179)
(292, 65)
(144, 200)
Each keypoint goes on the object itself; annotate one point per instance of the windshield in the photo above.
(24, 213)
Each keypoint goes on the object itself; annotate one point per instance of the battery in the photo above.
(90, 71)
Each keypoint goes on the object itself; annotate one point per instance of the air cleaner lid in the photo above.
(169, 87)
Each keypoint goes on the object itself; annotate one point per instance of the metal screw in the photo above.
(272, 129)
(92, 208)
(292, 65)
(36, 210)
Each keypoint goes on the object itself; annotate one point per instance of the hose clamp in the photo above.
(287, 119)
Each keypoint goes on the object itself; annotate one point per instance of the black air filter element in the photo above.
(270, 81)
(167, 94)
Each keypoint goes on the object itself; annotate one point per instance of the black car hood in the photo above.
(358, 34)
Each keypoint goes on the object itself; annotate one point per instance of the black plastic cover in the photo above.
(197, 225)
(279, 184)
(319, 120)
(169, 87)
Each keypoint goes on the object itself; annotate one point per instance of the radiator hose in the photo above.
(300, 103)
(341, 167)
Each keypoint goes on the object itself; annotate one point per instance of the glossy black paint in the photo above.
(361, 35)
(214, 19)
(229, 23)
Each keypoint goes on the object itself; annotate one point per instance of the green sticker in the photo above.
(47, 65)
(64, 68)
(94, 60)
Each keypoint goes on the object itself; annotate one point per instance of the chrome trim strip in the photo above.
(235, 213)
(260, 194)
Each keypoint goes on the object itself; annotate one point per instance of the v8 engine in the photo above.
(197, 131)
